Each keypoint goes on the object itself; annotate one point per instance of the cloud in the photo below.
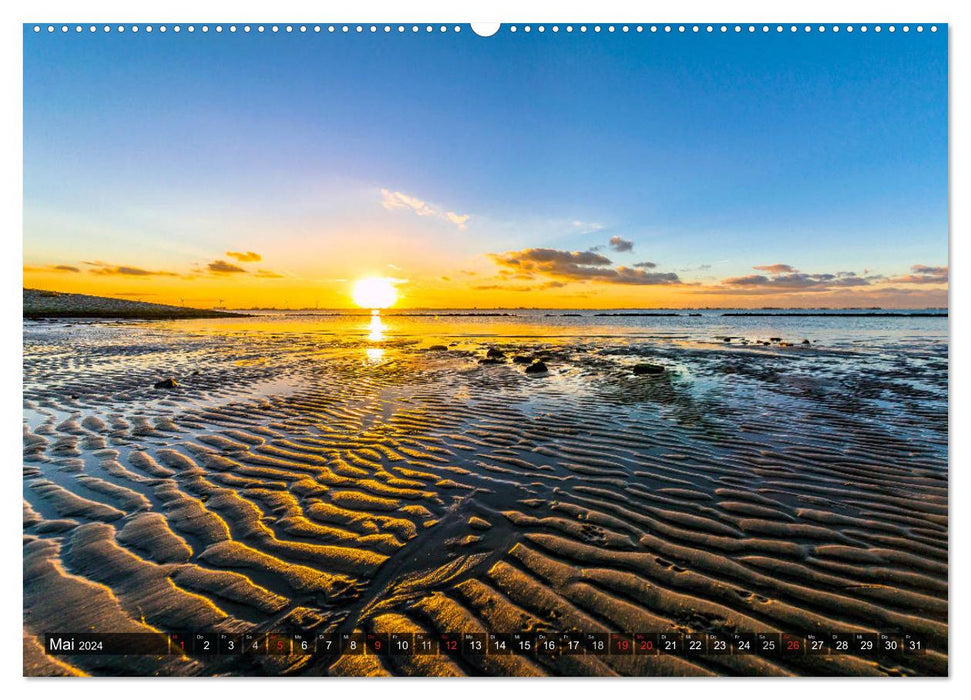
(579, 266)
(400, 200)
(783, 278)
(553, 284)
(248, 256)
(587, 226)
(646, 265)
(103, 268)
(799, 280)
(457, 219)
(269, 274)
(923, 274)
(221, 267)
(776, 269)
(621, 245)
(51, 268)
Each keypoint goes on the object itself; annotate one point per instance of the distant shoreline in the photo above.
(40, 304)
(592, 313)
(862, 314)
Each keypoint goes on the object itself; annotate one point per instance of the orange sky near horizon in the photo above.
(468, 288)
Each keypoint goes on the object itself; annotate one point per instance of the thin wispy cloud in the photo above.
(400, 200)
(587, 226)
(552, 284)
(248, 256)
(51, 268)
(776, 269)
(221, 267)
(102, 268)
(923, 274)
(786, 279)
(800, 280)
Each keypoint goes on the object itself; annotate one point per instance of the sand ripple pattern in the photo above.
(301, 482)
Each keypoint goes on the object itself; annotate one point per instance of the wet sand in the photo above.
(311, 481)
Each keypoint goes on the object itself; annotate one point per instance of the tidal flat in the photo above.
(288, 473)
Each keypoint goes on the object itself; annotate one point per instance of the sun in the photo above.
(374, 292)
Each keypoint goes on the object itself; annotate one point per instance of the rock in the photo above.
(195, 373)
(438, 348)
(766, 342)
(775, 340)
(538, 367)
(805, 341)
(648, 368)
(785, 345)
(495, 353)
(477, 523)
(727, 339)
(490, 361)
(522, 359)
(169, 383)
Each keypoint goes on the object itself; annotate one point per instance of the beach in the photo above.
(340, 473)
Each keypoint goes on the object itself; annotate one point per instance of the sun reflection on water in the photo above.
(376, 328)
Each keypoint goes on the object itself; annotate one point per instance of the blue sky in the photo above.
(710, 153)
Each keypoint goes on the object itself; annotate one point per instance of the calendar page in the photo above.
(525, 349)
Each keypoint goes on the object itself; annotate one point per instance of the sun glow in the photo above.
(374, 293)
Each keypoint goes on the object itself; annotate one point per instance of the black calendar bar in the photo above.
(88, 643)
(538, 644)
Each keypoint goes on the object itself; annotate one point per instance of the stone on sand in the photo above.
(648, 368)
(169, 383)
(538, 367)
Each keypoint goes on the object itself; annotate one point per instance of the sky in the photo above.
(586, 170)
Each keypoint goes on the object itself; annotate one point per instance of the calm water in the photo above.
(857, 332)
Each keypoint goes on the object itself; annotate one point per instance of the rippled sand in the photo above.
(318, 482)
